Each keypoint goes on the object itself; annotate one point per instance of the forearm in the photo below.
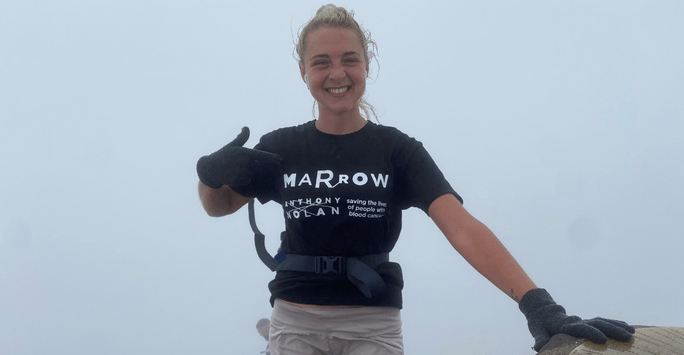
(480, 247)
(483, 250)
(222, 201)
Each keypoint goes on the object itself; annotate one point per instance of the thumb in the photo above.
(541, 336)
(241, 138)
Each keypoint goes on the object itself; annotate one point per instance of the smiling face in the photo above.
(335, 71)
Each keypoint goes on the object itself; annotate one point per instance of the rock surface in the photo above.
(646, 341)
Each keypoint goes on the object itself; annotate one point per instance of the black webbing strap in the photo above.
(259, 241)
(360, 270)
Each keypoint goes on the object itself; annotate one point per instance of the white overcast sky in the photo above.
(559, 122)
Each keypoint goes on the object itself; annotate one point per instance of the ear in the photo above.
(302, 72)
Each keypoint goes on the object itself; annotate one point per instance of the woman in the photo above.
(343, 182)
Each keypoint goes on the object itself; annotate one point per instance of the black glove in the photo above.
(236, 166)
(546, 318)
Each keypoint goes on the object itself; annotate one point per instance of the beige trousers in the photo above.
(345, 331)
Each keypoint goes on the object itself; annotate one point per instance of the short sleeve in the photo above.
(419, 181)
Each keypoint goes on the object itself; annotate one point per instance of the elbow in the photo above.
(216, 202)
(215, 209)
(212, 213)
(221, 202)
(215, 213)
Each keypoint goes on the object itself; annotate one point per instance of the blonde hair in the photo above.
(335, 16)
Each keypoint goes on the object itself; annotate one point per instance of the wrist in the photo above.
(533, 300)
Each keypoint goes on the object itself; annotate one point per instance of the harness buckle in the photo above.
(331, 265)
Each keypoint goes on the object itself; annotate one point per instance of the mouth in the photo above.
(341, 90)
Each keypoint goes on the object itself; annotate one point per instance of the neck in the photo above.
(349, 122)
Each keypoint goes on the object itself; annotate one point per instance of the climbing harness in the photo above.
(359, 270)
(259, 240)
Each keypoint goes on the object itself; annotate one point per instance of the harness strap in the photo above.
(360, 270)
(259, 241)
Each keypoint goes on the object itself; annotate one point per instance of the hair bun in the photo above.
(325, 7)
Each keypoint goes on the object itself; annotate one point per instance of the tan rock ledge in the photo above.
(646, 341)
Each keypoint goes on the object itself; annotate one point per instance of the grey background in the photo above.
(560, 123)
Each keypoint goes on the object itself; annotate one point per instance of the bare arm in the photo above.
(222, 201)
(479, 246)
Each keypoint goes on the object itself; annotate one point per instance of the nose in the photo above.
(337, 73)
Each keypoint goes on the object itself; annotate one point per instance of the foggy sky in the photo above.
(560, 124)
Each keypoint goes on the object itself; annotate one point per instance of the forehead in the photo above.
(332, 41)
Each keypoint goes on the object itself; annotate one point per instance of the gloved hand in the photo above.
(545, 318)
(234, 165)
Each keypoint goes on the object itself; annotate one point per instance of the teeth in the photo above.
(339, 90)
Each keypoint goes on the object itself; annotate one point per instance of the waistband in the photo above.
(336, 322)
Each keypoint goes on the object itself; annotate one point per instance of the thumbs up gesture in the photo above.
(235, 165)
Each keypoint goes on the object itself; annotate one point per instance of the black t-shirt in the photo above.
(343, 195)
